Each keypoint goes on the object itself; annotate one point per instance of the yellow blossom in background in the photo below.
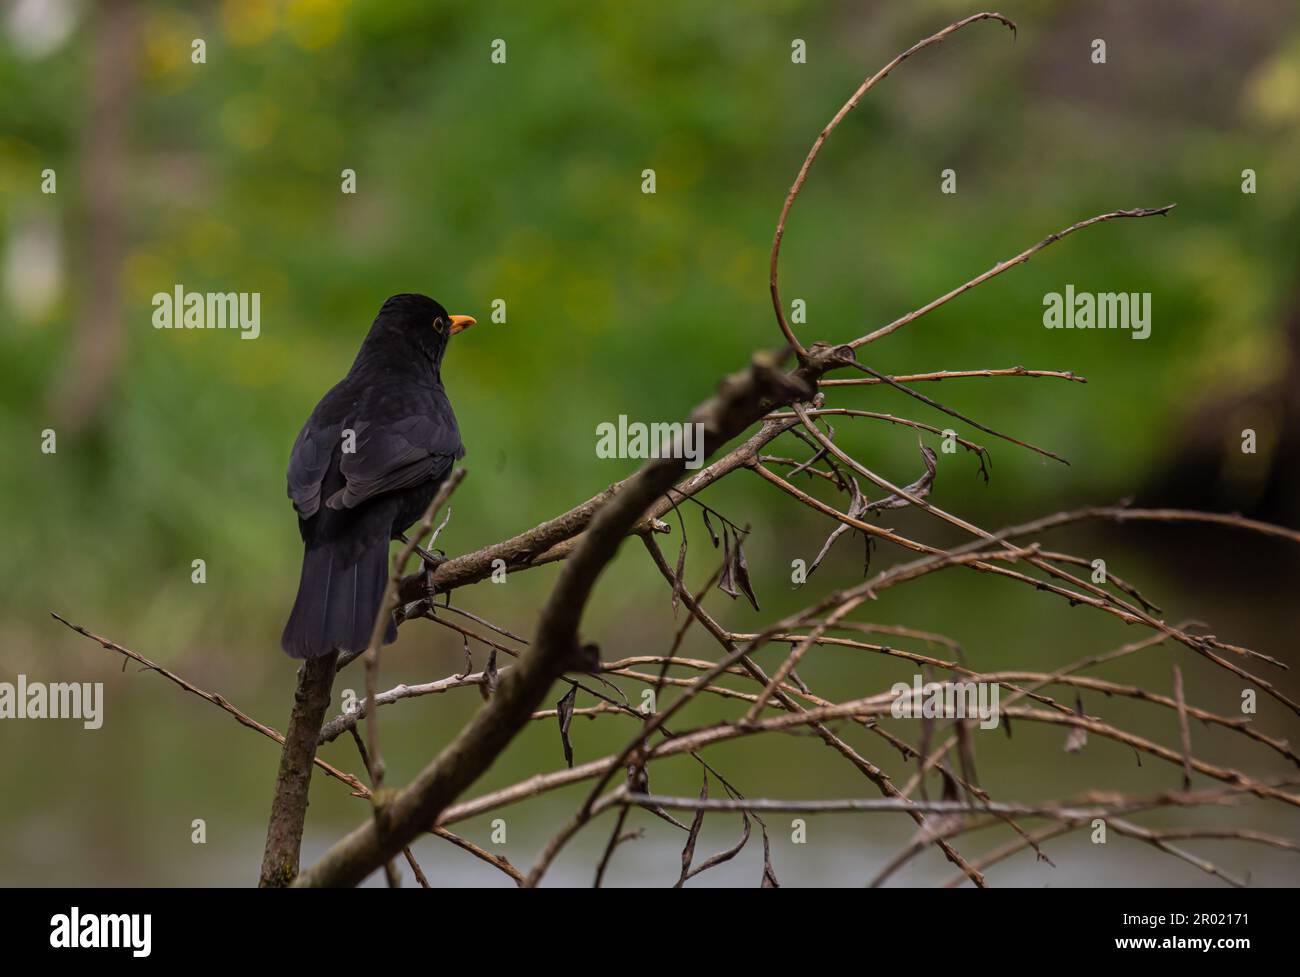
(249, 22)
(166, 37)
(1273, 93)
(314, 24)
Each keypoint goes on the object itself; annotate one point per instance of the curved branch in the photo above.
(845, 109)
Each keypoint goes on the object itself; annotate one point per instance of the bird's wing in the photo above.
(396, 455)
(308, 462)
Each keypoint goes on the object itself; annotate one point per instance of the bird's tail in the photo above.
(337, 604)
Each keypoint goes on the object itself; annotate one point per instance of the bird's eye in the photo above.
(439, 326)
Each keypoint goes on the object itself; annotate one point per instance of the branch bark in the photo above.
(289, 809)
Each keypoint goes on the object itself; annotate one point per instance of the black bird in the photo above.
(364, 468)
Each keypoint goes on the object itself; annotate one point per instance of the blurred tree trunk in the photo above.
(88, 374)
(1207, 468)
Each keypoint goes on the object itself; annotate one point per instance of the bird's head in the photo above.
(419, 321)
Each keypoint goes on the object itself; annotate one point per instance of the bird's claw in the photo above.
(432, 559)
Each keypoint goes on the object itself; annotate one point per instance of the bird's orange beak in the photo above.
(459, 323)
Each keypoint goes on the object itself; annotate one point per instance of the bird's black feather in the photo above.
(392, 412)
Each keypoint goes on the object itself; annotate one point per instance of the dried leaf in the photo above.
(966, 752)
(688, 851)
(857, 501)
(469, 660)
(951, 791)
(638, 780)
(920, 488)
(564, 713)
(937, 825)
(709, 526)
(742, 573)
(677, 576)
(730, 853)
(1077, 738)
(1184, 733)
(725, 583)
(769, 876)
